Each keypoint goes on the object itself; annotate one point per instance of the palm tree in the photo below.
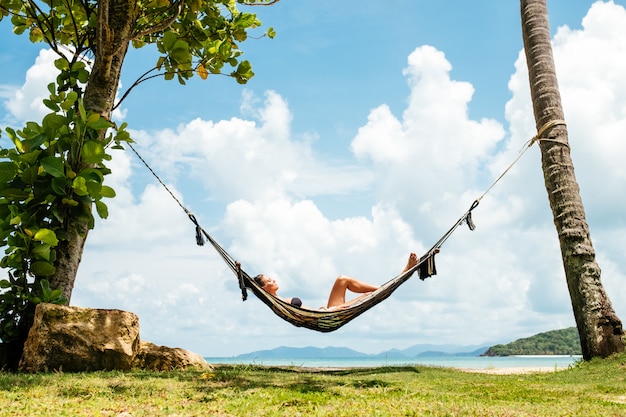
(599, 328)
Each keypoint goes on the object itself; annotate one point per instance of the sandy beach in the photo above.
(513, 370)
(509, 370)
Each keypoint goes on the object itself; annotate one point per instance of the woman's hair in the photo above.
(260, 279)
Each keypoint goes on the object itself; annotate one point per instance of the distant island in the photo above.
(555, 342)
(430, 350)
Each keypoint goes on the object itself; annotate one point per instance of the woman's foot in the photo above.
(411, 262)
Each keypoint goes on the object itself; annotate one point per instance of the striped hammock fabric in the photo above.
(329, 320)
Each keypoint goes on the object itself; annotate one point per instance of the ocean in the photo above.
(459, 362)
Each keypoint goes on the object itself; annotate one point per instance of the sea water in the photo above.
(459, 362)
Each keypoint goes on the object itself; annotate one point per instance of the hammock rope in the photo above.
(330, 320)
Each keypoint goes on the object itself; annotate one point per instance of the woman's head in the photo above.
(267, 283)
(260, 279)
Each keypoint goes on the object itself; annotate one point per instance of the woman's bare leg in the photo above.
(343, 283)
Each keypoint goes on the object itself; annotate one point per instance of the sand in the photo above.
(514, 370)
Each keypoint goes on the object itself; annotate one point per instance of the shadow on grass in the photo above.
(12, 381)
(301, 380)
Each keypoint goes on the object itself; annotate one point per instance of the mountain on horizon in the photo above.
(343, 352)
(304, 352)
(542, 343)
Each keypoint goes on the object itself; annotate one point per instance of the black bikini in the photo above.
(295, 301)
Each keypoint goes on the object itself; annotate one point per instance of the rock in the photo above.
(162, 358)
(75, 339)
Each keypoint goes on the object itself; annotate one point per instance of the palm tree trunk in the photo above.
(599, 327)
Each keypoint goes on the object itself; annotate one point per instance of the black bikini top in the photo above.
(295, 301)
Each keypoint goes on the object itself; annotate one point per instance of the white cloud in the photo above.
(430, 157)
(248, 159)
(262, 188)
(26, 102)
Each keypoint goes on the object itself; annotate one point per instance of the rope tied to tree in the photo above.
(524, 148)
(545, 128)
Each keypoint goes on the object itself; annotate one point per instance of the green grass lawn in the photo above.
(596, 388)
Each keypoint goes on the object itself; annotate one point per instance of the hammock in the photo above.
(329, 320)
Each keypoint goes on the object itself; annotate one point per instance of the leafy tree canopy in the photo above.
(53, 177)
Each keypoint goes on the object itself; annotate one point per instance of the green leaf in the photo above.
(30, 157)
(42, 251)
(5, 284)
(16, 141)
(169, 39)
(42, 268)
(93, 188)
(51, 105)
(62, 64)
(14, 194)
(53, 166)
(92, 174)
(96, 122)
(29, 175)
(160, 62)
(36, 141)
(82, 111)
(79, 185)
(69, 101)
(180, 53)
(46, 236)
(59, 185)
(53, 122)
(107, 192)
(8, 171)
(93, 152)
(102, 209)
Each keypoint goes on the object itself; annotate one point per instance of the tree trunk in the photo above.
(599, 327)
(116, 22)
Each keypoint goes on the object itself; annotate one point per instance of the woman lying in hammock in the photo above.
(337, 298)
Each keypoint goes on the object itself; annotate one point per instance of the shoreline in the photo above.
(513, 370)
(500, 365)
(505, 370)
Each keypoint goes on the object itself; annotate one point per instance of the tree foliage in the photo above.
(53, 176)
(55, 171)
(555, 342)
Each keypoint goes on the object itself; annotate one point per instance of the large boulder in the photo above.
(162, 358)
(75, 339)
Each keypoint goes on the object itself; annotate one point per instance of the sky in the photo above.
(369, 128)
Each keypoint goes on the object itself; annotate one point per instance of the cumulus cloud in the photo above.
(255, 159)
(25, 103)
(263, 190)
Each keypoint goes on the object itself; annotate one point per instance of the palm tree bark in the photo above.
(600, 329)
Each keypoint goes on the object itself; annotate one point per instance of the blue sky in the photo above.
(368, 129)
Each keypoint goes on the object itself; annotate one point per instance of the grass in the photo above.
(596, 388)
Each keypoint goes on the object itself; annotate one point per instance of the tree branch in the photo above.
(259, 3)
(178, 4)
